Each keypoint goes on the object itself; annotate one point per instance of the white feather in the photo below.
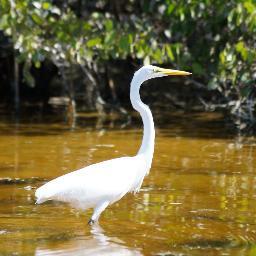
(105, 181)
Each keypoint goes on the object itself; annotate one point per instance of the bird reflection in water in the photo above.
(96, 244)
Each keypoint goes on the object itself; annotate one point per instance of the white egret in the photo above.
(99, 185)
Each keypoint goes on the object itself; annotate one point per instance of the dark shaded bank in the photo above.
(64, 93)
(106, 89)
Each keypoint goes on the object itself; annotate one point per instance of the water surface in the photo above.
(199, 199)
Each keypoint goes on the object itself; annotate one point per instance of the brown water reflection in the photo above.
(199, 198)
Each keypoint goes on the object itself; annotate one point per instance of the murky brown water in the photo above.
(199, 199)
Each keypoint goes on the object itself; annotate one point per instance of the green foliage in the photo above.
(213, 39)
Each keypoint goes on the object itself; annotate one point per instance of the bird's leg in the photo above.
(97, 211)
(91, 222)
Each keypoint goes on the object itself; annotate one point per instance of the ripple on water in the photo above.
(16, 181)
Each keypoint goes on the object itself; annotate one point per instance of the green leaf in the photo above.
(157, 55)
(250, 7)
(93, 42)
(222, 57)
(109, 25)
(37, 19)
(109, 38)
(37, 64)
(130, 38)
(4, 21)
(170, 8)
(46, 5)
(169, 52)
(4, 4)
(124, 43)
(241, 48)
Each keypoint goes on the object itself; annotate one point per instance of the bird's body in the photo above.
(99, 185)
(107, 181)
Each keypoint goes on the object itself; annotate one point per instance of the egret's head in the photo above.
(148, 72)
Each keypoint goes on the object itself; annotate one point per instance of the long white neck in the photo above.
(148, 141)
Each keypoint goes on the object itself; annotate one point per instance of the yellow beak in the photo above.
(173, 72)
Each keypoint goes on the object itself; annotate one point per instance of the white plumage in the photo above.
(104, 183)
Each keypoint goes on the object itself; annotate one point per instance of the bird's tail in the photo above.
(41, 196)
(40, 200)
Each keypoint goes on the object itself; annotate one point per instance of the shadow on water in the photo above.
(198, 125)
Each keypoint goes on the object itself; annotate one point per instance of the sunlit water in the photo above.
(199, 198)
